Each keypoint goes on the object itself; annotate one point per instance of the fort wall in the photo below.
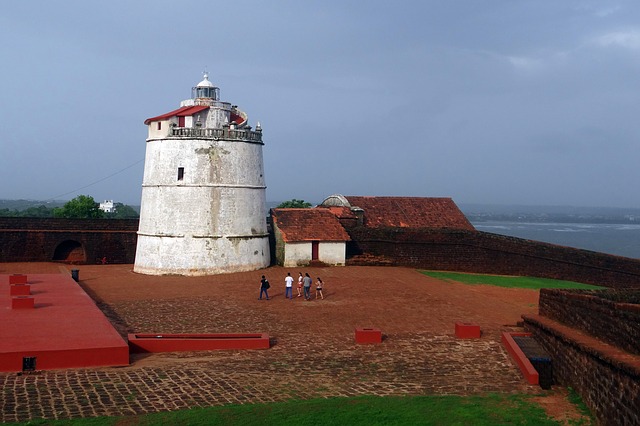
(68, 240)
(593, 342)
(482, 252)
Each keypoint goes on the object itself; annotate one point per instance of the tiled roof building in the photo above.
(297, 225)
(401, 212)
(304, 236)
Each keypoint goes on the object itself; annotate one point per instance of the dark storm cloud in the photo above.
(486, 102)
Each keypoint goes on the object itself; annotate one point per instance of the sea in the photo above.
(616, 239)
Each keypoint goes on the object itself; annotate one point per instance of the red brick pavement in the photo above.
(313, 351)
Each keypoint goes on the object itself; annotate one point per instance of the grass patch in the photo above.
(512, 282)
(367, 410)
(576, 400)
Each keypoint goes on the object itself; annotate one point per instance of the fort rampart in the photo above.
(592, 337)
(68, 240)
(482, 252)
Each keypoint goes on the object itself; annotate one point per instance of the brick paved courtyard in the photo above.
(313, 351)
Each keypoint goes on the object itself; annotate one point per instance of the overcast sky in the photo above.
(502, 102)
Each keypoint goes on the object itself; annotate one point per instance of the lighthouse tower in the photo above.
(203, 208)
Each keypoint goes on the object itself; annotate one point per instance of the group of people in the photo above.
(304, 287)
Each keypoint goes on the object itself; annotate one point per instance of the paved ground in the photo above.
(313, 352)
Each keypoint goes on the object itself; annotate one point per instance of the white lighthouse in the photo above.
(203, 208)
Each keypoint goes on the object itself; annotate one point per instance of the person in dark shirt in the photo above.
(307, 286)
(264, 286)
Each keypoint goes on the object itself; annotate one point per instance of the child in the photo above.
(319, 284)
(300, 285)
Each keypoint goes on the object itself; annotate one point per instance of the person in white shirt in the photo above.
(288, 286)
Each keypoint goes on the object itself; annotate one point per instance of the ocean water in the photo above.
(618, 239)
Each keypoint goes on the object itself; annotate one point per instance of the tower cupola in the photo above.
(205, 89)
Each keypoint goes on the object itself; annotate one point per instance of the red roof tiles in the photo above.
(315, 224)
(411, 212)
(180, 112)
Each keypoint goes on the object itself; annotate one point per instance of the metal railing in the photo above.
(225, 133)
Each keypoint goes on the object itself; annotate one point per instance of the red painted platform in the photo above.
(527, 369)
(64, 329)
(368, 335)
(196, 342)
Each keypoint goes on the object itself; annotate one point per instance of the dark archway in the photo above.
(70, 251)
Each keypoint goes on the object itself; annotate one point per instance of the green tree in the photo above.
(40, 211)
(123, 211)
(81, 207)
(295, 204)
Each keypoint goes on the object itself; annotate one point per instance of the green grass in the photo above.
(576, 400)
(367, 410)
(513, 282)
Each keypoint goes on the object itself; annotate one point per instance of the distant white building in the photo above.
(107, 206)
(203, 207)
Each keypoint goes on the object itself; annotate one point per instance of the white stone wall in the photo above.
(163, 132)
(331, 253)
(297, 254)
(211, 221)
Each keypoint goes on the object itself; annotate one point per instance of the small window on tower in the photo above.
(180, 173)
(159, 125)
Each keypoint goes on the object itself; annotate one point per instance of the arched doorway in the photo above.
(70, 251)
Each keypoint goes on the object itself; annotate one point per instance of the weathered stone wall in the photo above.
(612, 315)
(607, 379)
(36, 239)
(481, 252)
(203, 206)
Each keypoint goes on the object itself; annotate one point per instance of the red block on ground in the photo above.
(465, 330)
(368, 335)
(20, 290)
(17, 279)
(22, 302)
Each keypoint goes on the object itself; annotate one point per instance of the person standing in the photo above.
(300, 284)
(288, 286)
(306, 282)
(264, 286)
(319, 285)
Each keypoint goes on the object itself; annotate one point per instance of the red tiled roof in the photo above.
(340, 212)
(315, 224)
(411, 212)
(180, 112)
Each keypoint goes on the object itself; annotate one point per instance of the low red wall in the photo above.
(196, 342)
(521, 360)
(481, 252)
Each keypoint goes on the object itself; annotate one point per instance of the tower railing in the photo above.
(224, 133)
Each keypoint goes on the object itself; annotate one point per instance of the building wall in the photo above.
(36, 239)
(481, 252)
(165, 126)
(210, 221)
(297, 254)
(332, 253)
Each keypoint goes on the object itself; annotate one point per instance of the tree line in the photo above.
(81, 207)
